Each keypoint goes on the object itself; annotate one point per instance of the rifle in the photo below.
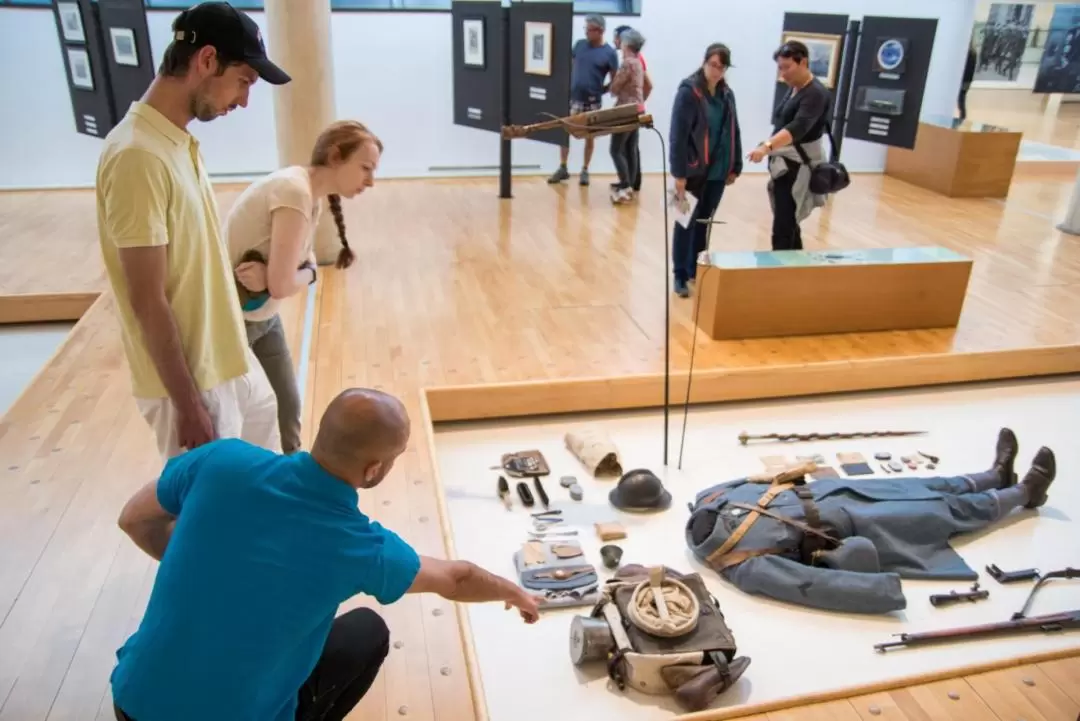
(1047, 624)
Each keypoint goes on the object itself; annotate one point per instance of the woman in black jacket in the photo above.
(705, 154)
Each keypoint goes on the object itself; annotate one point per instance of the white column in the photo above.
(300, 43)
(1071, 223)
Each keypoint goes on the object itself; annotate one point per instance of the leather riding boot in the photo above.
(1001, 473)
(1038, 479)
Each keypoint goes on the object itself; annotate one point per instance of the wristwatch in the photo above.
(310, 266)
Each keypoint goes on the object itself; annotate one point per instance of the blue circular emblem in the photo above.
(890, 54)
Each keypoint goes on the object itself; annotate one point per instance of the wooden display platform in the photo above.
(770, 294)
(1030, 676)
(973, 161)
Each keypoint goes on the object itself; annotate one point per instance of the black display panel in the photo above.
(126, 41)
(540, 81)
(479, 63)
(890, 80)
(78, 27)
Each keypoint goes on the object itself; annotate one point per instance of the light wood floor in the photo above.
(451, 286)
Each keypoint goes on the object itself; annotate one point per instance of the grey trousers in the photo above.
(267, 341)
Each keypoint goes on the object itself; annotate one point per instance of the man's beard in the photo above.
(202, 110)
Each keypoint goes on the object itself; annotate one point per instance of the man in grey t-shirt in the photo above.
(595, 62)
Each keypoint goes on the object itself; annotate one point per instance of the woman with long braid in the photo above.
(271, 233)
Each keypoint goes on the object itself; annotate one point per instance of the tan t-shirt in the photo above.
(249, 222)
(153, 190)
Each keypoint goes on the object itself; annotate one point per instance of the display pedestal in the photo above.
(1071, 223)
(970, 161)
(797, 292)
(300, 45)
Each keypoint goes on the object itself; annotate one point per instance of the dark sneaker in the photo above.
(681, 289)
(584, 177)
(559, 175)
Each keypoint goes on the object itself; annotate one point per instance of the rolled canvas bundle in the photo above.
(595, 449)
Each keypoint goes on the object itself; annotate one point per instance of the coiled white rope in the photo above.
(663, 606)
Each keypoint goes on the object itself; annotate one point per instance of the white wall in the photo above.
(406, 96)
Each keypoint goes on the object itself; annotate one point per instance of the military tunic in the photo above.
(888, 529)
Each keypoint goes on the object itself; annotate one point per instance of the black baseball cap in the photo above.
(230, 32)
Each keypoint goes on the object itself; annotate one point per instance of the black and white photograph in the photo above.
(824, 54)
(538, 48)
(1002, 42)
(1059, 70)
(123, 46)
(79, 61)
(474, 42)
(71, 22)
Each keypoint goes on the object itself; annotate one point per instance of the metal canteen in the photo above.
(590, 640)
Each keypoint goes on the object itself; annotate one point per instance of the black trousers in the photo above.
(687, 243)
(961, 101)
(354, 652)
(625, 156)
(786, 234)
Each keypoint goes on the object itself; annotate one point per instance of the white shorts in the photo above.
(243, 407)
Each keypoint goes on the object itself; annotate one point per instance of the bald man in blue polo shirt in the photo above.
(257, 552)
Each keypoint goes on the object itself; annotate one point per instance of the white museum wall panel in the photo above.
(393, 71)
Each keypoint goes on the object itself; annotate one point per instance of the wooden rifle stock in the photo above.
(1047, 624)
(621, 118)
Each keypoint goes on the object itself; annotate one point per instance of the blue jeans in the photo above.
(687, 243)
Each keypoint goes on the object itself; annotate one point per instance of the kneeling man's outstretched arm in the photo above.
(466, 582)
(148, 524)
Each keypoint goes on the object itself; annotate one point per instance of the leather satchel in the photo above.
(828, 177)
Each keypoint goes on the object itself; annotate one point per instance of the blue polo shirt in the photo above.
(591, 66)
(264, 550)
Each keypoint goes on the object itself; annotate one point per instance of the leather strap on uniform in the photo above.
(736, 557)
(805, 528)
(766, 498)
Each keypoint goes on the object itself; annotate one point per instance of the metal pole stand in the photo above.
(1071, 223)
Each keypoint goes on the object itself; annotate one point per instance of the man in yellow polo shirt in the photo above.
(193, 375)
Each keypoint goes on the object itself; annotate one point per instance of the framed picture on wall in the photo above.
(474, 42)
(538, 48)
(123, 46)
(824, 54)
(79, 61)
(71, 22)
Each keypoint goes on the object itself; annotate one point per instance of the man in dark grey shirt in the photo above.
(594, 63)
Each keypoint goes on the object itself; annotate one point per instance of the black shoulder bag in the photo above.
(828, 177)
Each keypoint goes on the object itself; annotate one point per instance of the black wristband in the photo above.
(310, 266)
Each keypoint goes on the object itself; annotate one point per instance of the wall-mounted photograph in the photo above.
(1059, 71)
(538, 48)
(79, 61)
(71, 22)
(123, 46)
(1003, 41)
(824, 54)
(474, 42)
